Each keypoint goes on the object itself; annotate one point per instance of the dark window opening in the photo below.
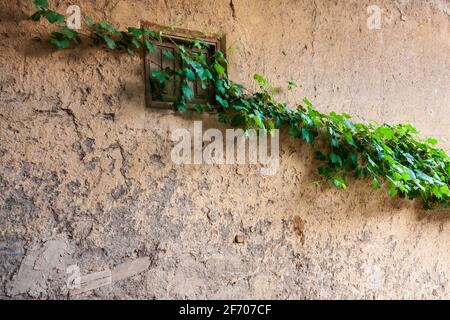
(157, 97)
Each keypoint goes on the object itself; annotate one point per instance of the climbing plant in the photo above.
(411, 166)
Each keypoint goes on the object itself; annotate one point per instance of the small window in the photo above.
(157, 97)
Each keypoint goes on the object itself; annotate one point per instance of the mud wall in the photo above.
(86, 176)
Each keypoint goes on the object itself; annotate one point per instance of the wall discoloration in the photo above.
(83, 159)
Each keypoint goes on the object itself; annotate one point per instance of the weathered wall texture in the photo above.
(86, 176)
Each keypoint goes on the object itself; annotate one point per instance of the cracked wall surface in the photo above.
(86, 176)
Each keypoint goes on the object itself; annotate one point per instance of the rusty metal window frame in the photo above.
(179, 35)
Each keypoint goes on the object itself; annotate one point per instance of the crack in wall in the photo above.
(122, 169)
(233, 10)
(74, 121)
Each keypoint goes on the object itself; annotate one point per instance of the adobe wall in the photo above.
(86, 176)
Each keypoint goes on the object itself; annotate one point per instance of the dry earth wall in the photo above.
(86, 176)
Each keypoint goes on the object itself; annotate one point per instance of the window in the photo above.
(164, 97)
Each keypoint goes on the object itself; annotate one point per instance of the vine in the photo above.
(412, 167)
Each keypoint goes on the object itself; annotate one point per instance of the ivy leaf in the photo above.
(107, 27)
(150, 47)
(222, 102)
(375, 184)
(223, 118)
(54, 17)
(69, 33)
(166, 53)
(180, 106)
(393, 191)
(339, 182)
(307, 102)
(40, 5)
(136, 32)
(444, 190)
(307, 135)
(334, 141)
(35, 16)
(110, 43)
(89, 21)
(161, 76)
(432, 141)
(190, 75)
(219, 69)
(62, 38)
(278, 122)
(219, 84)
(294, 130)
(60, 43)
(354, 160)
(421, 175)
(261, 80)
(187, 91)
(198, 108)
(259, 119)
(237, 120)
(336, 159)
(385, 132)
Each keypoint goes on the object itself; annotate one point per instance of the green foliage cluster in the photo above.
(103, 33)
(411, 167)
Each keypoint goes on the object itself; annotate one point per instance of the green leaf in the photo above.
(35, 16)
(219, 84)
(261, 80)
(89, 21)
(110, 43)
(198, 108)
(393, 191)
(197, 44)
(307, 135)
(259, 119)
(432, 141)
(40, 4)
(375, 184)
(354, 159)
(278, 122)
(60, 43)
(222, 102)
(169, 55)
(136, 32)
(107, 26)
(219, 69)
(385, 132)
(223, 118)
(190, 75)
(62, 38)
(54, 17)
(69, 33)
(237, 120)
(187, 91)
(445, 191)
(294, 130)
(336, 159)
(161, 76)
(150, 47)
(307, 102)
(339, 182)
